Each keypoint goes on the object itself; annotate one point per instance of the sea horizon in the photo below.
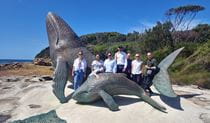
(10, 61)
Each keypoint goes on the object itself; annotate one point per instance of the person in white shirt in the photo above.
(136, 69)
(79, 70)
(121, 59)
(110, 64)
(97, 66)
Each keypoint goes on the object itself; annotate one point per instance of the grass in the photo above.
(193, 69)
(202, 79)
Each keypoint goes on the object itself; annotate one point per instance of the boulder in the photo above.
(11, 66)
(42, 62)
(46, 78)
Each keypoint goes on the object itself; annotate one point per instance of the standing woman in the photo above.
(79, 70)
(136, 69)
(97, 66)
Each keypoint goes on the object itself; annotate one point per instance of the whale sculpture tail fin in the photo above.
(162, 80)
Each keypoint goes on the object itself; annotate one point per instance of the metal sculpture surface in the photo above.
(64, 46)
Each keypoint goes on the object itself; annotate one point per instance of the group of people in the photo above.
(136, 70)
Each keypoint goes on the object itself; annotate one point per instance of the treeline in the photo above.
(158, 37)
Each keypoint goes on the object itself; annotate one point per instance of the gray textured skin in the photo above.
(64, 46)
(110, 84)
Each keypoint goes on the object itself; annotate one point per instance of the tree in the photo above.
(158, 37)
(181, 18)
(203, 31)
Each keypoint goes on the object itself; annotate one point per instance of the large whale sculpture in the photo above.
(64, 46)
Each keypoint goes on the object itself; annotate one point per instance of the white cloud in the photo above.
(143, 25)
(195, 22)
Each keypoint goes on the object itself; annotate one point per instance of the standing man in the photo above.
(136, 69)
(120, 57)
(110, 64)
(128, 66)
(151, 70)
(79, 69)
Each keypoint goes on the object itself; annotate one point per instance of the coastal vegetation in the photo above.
(193, 64)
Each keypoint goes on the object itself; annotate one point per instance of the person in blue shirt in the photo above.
(110, 64)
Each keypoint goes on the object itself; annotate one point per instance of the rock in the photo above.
(34, 101)
(11, 66)
(4, 118)
(42, 62)
(26, 80)
(36, 79)
(34, 106)
(47, 78)
(205, 117)
(6, 87)
(49, 117)
(12, 78)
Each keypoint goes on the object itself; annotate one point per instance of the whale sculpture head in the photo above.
(61, 36)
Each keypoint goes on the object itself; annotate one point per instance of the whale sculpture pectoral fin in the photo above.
(162, 80)
(60, 80)
(152, 102)
(109, 100)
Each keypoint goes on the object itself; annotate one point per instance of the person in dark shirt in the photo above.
(151, 70)
(128, 64)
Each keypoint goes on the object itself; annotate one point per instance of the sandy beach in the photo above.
(24, 96)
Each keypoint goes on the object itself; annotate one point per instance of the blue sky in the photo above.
(22, 22)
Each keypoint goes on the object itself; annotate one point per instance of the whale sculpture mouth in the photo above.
(60, 33)
(52, 25)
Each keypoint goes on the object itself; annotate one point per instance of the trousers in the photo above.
(78, 78)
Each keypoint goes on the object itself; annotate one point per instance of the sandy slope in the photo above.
(24, 99)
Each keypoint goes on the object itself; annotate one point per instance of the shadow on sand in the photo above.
(175, 102)
(120, 100)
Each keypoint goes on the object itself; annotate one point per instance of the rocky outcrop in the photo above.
(42, 61)
(34, 102)
(45, 53)
(43, 58)
(11, 66)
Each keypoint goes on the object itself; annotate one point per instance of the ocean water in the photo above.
(9, 61)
